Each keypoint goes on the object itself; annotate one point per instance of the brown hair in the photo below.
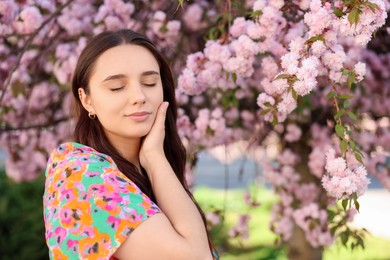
(90, 132)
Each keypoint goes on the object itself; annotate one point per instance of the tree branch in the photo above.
(27, 44)
(12, 129)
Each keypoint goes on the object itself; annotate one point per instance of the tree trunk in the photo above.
(298, 246)
(300, 249)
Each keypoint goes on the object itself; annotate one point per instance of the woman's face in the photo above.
(125, 91)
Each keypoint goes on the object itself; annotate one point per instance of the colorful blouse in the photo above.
(90, 207)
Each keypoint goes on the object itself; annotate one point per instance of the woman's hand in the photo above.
(152, 145)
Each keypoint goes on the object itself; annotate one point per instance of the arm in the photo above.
(179, 232)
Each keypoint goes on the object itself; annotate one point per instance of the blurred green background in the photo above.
(22, 230)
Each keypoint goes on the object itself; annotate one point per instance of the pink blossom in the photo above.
(334, 60)
(216, 52)
(280, 86)
(318, 48)
(259, 5)
(287, 157)
(31, 19)
(293, 133)
(317, 162)
(245, 47)
(297, 45)
(342, 182)
(269, 67)
(264, 98)
(193, 17)
(8, 11)
(241, 228)
(159, 16)
(288, 104)
(213, 218)
(318, 19)
(335, 166)
(187, 83)
(202, 122)
(238, 27)
(240, 66)
(195, 61)
(360, 70)
(290, 62)
(253, 30)
(306, 193)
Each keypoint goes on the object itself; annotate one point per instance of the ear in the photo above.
(86, 100)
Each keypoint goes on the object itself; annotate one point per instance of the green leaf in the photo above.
(316, 38)
(352, 115)
(344, 237)
(333, 230)
(372, 6)
(331, 95)
(264, 112)
(350, 80)
(344, 203)
(353, 16)
(282, 76)
(275, 120)
(234, 78)
(352, 144)
(346, 104)
(338, 12)
(358, 157)
(343, 146)
(345, 96)
(339, 114)
(294, 94)
(267, 104)
(339, 131)
(256, 14)
(357, 205)
(346, 72)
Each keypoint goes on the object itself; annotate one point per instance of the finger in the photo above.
(161, 114)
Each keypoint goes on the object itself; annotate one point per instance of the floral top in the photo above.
(90, 207)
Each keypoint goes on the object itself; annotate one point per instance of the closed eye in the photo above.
(116, 89)
(150, 85)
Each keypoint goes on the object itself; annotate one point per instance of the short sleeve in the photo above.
(90, 208)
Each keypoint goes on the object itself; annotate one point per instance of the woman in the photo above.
(126, 166)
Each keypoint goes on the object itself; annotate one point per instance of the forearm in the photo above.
(175, 203)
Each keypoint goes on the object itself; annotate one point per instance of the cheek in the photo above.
(107, 104)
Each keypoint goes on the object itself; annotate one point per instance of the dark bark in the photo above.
(300, 249)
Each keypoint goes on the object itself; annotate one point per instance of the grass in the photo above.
(260, 244)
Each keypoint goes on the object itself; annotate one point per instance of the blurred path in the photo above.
(375, 212)
(374, 204)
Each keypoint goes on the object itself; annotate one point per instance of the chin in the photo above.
(139, 132)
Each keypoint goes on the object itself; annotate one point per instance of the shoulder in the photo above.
(89, 203)
(76, 164)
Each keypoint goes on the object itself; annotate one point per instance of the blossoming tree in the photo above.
(297, 74)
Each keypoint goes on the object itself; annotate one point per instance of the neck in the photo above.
(127, 148)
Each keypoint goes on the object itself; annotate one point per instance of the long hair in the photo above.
(90, 132)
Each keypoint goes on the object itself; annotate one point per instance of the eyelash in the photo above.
(147, 85)
(116, 89)
(150, 85)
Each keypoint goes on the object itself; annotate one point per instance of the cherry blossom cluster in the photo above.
(40, 43)
(278, 65)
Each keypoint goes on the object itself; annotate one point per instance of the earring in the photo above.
(92, 116)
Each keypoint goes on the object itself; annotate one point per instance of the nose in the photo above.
(136, 95)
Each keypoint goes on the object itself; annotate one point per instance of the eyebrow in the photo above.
(121, 76)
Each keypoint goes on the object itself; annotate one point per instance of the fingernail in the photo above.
(166, 104)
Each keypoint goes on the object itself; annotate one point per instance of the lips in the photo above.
(139, 116)
(140, 113)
